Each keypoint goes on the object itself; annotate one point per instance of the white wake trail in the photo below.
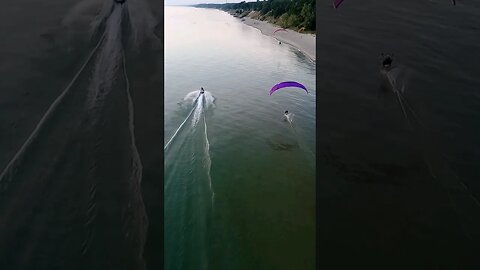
(180, 127)
(208, 159)
(10, 168)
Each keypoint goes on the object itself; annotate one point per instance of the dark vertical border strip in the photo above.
(317, 146)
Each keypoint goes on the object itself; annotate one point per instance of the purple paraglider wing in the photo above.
(337, 3)
(287, 84)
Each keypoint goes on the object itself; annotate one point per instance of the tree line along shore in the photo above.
(294, 14)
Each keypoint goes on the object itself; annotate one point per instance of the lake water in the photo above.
(80, 175)
(395, 189)
(398, 190)
(239, 180)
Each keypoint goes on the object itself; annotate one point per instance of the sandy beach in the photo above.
(303, 42)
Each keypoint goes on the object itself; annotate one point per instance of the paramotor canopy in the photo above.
(336, 3)
(287, 84)
(281, 29)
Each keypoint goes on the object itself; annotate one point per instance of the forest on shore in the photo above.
(296, 14)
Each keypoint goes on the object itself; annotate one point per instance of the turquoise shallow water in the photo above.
(239, 180)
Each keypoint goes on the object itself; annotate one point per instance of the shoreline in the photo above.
(305, 43)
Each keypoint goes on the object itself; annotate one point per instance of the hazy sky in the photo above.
(191, 2)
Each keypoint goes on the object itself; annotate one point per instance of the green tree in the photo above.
(293, 20)
(266, 7)
(286, 13)
(308, 14)
(283, 20)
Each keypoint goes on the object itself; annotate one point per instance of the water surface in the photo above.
(239, 180)
(394, 190)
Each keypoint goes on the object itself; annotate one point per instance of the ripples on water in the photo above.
(398, 189)
(261, 168)
(189, 189)
(61, 202)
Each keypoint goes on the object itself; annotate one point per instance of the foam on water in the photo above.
(200, 104)
(198, 110)
(191, 97)
(208, 160)
(289, 118)
(189, 193)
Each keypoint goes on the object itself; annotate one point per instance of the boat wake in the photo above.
(189, 195)
(459, 195)
(82, 161)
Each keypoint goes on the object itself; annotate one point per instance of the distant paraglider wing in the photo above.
(336, 3)
(287, 84)
(281, 29)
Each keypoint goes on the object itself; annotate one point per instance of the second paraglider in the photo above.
(280, 29)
